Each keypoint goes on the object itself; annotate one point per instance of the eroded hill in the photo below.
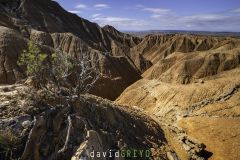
(181, 98)
(193, 90)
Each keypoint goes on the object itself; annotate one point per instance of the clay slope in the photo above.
(191, 67)
(199, 110)
(186, 58)
(33, 127)
(54, 29)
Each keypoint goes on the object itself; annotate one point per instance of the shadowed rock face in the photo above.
(48, 16)
(10, 43)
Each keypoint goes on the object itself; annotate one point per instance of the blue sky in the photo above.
(204, 15)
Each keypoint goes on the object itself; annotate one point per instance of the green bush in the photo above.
(32, 59)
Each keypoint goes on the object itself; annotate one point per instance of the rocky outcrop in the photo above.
(70, 129)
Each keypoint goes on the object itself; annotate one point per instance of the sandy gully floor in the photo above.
(220, 135)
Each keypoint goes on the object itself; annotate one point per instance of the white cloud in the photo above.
(136, 7)
(139, 6)
(165, 19)
(74, 11)
(113, 19)
(157, 16)
(81, 6)
(96, 15)
(206, 18)
(101, 6)
(120, 22)
(210, 22)
(157, 10)
(236, 10)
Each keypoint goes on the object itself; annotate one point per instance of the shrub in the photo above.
(57, 70)
(8, 144)
(83, 74)
(33, 59)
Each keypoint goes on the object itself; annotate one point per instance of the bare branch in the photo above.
(67, 137)
(29, 138)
